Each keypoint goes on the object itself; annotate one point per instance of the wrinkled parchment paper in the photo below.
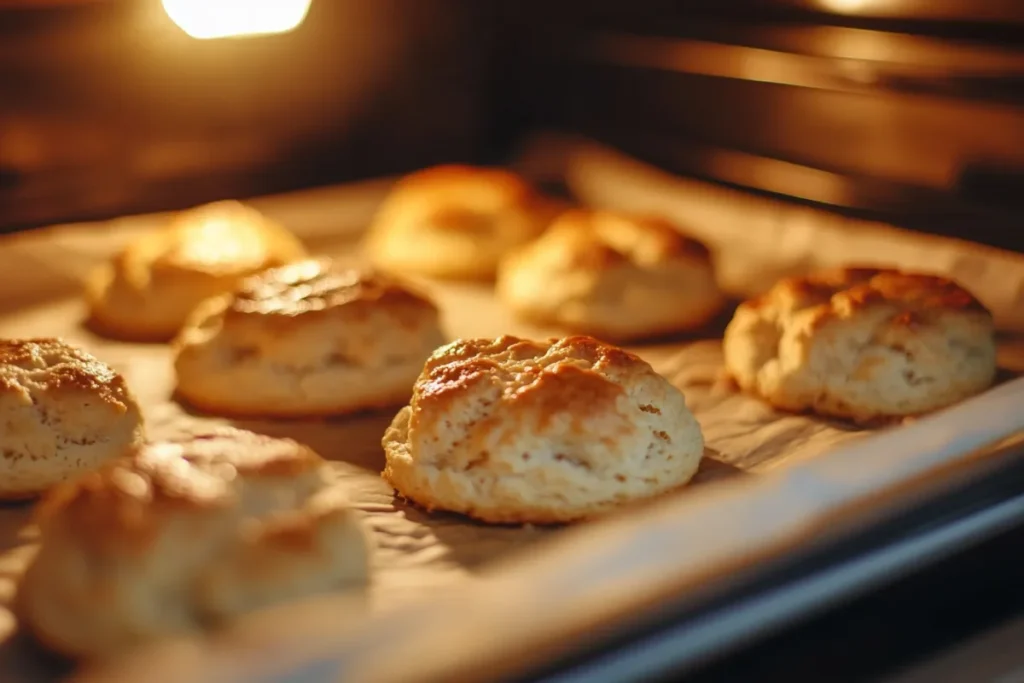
(416, 552)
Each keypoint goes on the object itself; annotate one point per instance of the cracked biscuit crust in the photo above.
(150, 288)
(514, 431)
(617, 276)
(307, 340)
(862, 343)
(63, 412)
(184, 535)
(455, 222)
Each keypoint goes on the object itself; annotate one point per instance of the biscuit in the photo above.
(184, 535)
(514, 431)
(63, 412)
(148, 290)
(455, 222)
(862, 343)
(306, 340)
(615, 276)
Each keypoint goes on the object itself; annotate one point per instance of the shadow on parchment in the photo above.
(713, 469)
(15, 524)
(103, 334)
(713, 329)
(470, 543)
(473, 544)
(353, 439)
(24, 659)
(20, 655)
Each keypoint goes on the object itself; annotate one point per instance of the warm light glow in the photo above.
(849, 6)
(234, 18)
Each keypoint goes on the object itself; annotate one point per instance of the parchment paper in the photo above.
(416, 552)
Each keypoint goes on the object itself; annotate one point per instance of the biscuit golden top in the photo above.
(245, 453)
(464, 200)
(220, 239)
(452, 185)
(315, 285)
(540, 377)
(597, 240)
(129, 501)
(52, 365)
(844, 291)
(228, 235)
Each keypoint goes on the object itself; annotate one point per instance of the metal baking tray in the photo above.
(772, 528)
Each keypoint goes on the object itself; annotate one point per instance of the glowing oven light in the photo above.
(206, 19)
(849, 6)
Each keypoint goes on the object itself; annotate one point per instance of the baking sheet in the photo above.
(416, 553)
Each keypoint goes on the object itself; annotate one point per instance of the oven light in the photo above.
(235, 18)
(850, 6)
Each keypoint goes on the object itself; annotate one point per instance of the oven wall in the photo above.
(906, 112)
(107, 108)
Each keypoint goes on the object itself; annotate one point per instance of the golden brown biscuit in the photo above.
(184, 535)
(149, 289)
(63, 412)
(455, 222)
(513, 431)
(307, 340)
(616, 276)
(862, 343)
